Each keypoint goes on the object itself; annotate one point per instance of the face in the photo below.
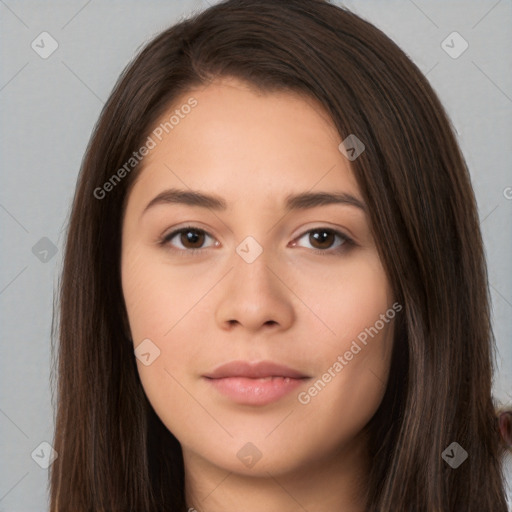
(288, 289)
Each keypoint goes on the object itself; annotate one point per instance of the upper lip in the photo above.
(254, 370)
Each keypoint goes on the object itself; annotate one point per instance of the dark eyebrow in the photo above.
(189, 198)
(308, 200)
(302, 201)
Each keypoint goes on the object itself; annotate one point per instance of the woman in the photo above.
(248, 371)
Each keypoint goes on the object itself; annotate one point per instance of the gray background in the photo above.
(49, 107)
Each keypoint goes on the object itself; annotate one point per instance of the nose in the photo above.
(255, 297)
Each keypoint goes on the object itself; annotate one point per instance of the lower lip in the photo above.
(243, 390)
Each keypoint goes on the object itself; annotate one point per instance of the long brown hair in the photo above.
(114, 453)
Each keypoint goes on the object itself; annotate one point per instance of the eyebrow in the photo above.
(302, 201)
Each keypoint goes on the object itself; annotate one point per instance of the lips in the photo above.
(259, 370)
(254, 383)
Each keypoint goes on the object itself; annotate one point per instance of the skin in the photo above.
(291, 305)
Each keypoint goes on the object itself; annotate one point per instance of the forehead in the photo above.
(239, 142)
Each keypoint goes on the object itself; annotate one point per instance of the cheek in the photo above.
(156, 295)
(346, 298)
(354, 352)
(159, 300)
(154, 311)
(349, 388)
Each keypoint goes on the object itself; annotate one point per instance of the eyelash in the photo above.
(347, 241)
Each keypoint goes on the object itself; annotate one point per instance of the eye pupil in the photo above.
(322, 236)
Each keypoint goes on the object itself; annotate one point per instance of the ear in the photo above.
(505, 427)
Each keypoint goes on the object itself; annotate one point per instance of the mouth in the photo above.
(254, 383)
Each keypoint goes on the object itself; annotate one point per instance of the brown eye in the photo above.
(323, 240)
(186, 238)
(192, 238)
